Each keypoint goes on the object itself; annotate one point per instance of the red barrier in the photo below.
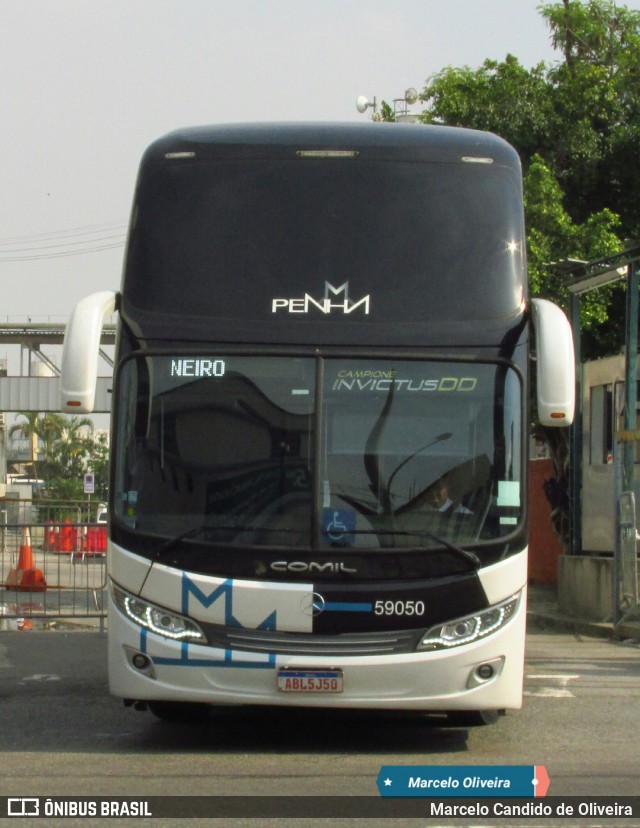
(96, 540)
(68, 538)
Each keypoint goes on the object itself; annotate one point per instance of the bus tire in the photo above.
(472, 718)
(179, 712)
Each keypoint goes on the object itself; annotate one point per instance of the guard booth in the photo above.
(599, 578)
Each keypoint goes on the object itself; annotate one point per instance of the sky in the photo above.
(86, 85)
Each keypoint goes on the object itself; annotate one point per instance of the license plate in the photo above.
(310, 681)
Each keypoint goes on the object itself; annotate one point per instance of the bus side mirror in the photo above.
(556, 370)
(81, 350)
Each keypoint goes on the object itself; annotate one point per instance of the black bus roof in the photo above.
(379, 141)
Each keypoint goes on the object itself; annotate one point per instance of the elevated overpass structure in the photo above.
(35, 385)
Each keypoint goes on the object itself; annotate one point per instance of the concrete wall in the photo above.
(585, 587)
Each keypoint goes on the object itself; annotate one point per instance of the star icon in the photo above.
(387, 783)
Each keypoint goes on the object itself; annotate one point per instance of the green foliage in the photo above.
(576, 126)
(503, 98)
(597, 99)
(386, 113)
(100, 465)
(68, 448)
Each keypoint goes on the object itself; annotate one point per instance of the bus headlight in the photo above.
(471, 627)
(156, 619)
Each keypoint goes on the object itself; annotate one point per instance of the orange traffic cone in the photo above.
(25, 577)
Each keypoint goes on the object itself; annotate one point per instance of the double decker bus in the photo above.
(320, 421)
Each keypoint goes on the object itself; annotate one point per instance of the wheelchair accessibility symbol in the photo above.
(339, 525)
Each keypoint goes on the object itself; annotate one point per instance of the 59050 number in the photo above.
(408, 608)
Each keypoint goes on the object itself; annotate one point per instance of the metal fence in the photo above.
(52, 564)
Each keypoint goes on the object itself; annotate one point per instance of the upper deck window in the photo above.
(270, 241)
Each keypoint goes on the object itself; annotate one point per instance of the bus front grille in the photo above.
(342, 644)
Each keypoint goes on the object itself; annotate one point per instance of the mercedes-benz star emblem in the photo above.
(312, 604)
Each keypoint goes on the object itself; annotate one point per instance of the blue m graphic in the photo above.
(225, 593)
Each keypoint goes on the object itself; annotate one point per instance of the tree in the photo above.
(36, 428)
(68, 456)
(552, 232)
(63, 450)
(72, 443)
(576, 126)
(597, 102)
(28, 428)
(99, 464)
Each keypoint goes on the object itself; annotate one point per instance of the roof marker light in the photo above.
(476, 159)
(328, 153)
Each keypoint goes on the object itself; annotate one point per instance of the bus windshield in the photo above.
(318, 452)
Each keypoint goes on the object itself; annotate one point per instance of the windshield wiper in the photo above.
(171, 543)
(465, 554)
(471, 557)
